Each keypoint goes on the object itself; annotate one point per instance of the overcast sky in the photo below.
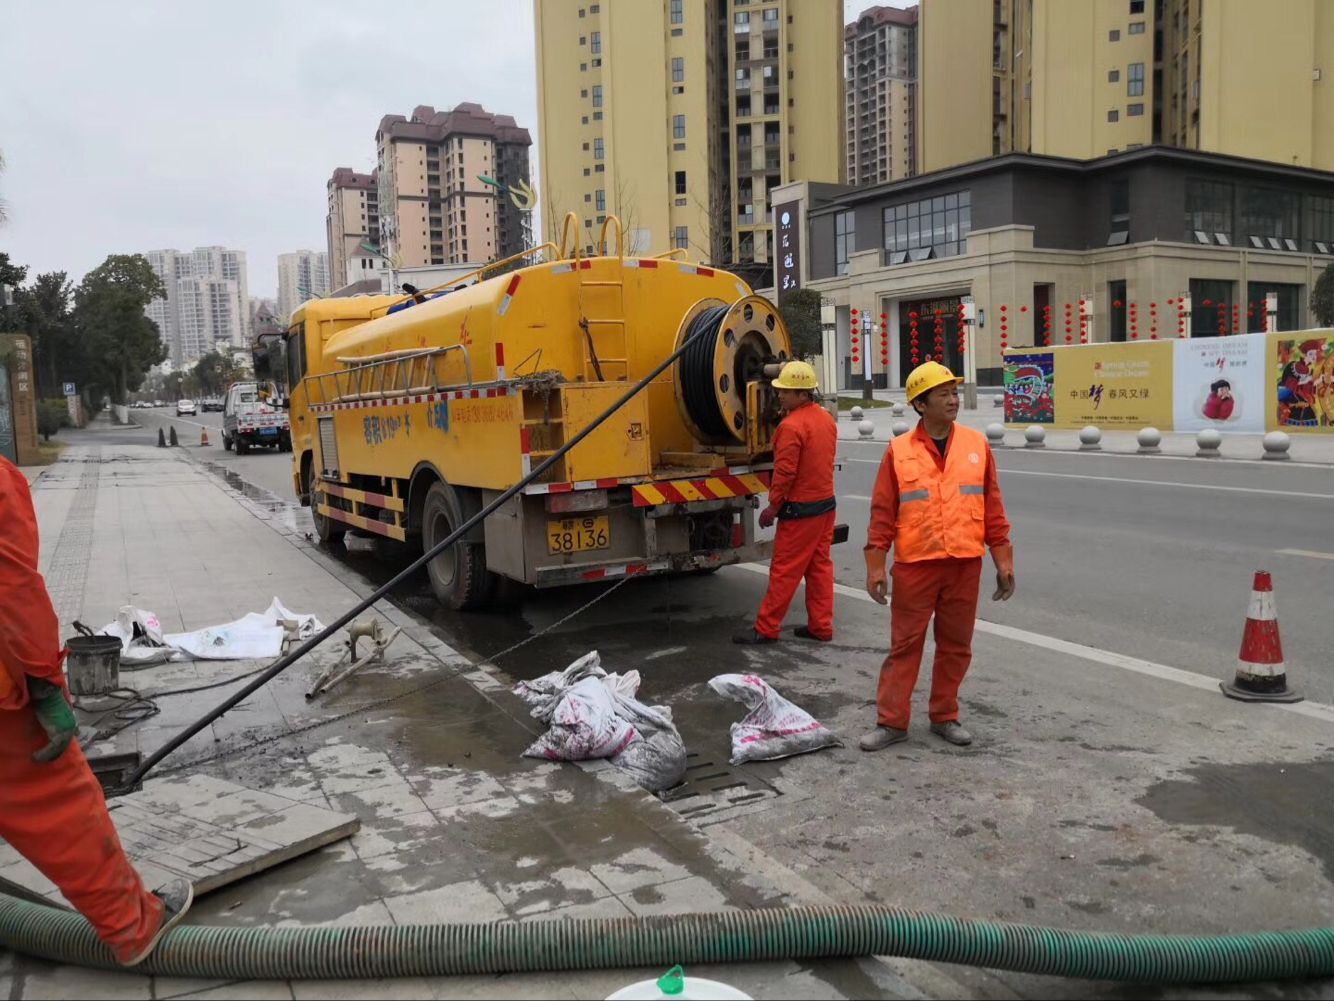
(148, 124)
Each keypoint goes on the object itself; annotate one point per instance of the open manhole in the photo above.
(712, 788)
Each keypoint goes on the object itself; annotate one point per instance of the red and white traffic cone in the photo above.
(1261, 676)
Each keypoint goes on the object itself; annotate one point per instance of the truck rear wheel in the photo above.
(327, 530)
(458, 576)
(242, 446)
(226, 444)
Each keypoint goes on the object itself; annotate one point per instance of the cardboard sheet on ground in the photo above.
(255, 636)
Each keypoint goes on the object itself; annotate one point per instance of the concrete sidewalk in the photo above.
(1305, 448)
(424, 749)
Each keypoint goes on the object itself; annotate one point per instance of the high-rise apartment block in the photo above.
(681, 117)
(302, 275)
(880, 69)
(208, 301)
(353, 219)
(433, 209)
(1086, 78)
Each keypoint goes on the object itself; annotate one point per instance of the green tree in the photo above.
(44, 310)
(801, 315)
(52, 415)
(12, 275)
(1322, 297)
(119, 341)
(214, 372)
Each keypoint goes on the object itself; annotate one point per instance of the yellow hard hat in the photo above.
(796, 375)
(928, 376)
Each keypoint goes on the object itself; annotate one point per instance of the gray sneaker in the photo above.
(176, 898)
(881, 737)
(953, 732)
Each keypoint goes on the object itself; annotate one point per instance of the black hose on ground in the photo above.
(697, 332)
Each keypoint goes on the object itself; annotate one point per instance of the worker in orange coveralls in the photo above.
(801, 498)
(51, 807)
(937, 502)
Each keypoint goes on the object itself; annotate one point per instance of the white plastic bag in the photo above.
(256, 636)
(584, 725)
(580, 728)
(774, 727)
(140, 635)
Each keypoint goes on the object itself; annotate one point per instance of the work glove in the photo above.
(767, 516)
(877, 576)
(56, 717)
(1003, 557)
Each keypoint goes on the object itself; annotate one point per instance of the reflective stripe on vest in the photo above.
(941, 513)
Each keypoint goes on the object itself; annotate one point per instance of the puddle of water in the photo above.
(1283, 802)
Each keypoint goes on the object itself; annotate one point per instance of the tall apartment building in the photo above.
(432, 207)
(353, 219)
(207, 304)
(1085, 78)
(302, 275)
(680, 117)
(880, 83)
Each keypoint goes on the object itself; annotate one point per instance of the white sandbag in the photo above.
(584, 725)
(256, 636)
(140, 635)
(774, 727)
(657, 760)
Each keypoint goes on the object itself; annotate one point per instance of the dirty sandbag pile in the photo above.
(774, 727)
(255, 636)
(592, 714)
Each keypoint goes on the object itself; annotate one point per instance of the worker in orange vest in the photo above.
(801, 499)
(937, 502)
(51, 806)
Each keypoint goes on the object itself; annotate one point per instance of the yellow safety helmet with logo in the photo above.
(796, 375)
(928, 376)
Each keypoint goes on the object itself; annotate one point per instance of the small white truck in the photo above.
(252, 417)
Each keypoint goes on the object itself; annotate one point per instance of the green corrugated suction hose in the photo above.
(728, 937)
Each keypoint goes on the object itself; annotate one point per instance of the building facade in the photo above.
(302, 275)
(682, 118)
(353, 219)
(208, 301)
(880, 82)
(1085, 78)
(1150, 243)
(433, 209)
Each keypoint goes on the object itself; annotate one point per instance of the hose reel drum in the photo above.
(734, 344)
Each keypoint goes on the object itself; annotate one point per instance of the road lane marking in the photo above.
(1191, 679)
(1306, 552)
(1153, 483)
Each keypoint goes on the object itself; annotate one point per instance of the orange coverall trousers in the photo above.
(801, 549)
(56, 817)
(944, 588)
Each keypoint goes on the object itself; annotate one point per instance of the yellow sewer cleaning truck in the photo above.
(410, 421)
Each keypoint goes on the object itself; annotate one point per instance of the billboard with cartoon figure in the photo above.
(1028, 389)
(1304, 386)
(1218, 383)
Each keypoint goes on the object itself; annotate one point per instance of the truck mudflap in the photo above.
(681, 563)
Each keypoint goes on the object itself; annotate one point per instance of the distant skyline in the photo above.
(225, 124)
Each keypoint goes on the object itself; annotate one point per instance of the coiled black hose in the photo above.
(694, 373)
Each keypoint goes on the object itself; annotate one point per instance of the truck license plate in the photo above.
(576, 535)
(268, 432)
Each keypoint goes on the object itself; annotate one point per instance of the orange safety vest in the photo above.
(941, 514)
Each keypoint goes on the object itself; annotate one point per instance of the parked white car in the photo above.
(184, 407)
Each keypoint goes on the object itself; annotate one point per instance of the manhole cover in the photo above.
(712, 789)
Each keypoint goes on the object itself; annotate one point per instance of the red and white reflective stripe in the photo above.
(624, 570)
(634, 262)
(562, 269)
(489, 393)
(509, 295)
(525, 450)
(741, 290)
(693, 269)
(500, 361)
(625, 481)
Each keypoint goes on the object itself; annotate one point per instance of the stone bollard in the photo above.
(1149, 441)
(1276, 444)
(855, 414)
(996, 435)
(161, 438)
(900, 427)
(1035, 436)
(898, 410)
(1090, 439)
(172, 437)
(1207, 442)
(866, 429)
